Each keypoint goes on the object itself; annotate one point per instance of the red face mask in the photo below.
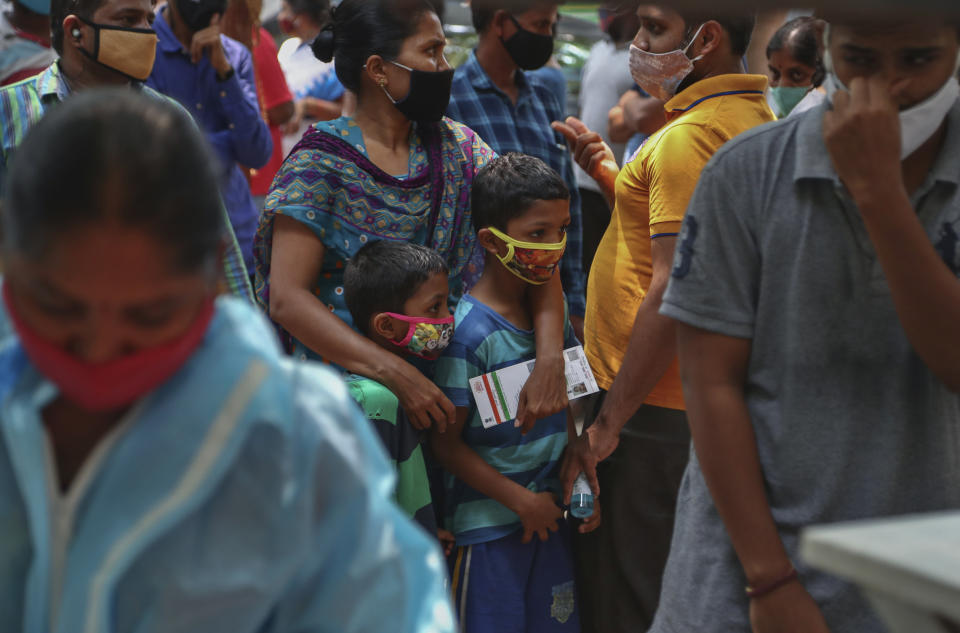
(116, 383)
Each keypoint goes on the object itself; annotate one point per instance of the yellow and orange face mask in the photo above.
(533, 262)
(128, 51)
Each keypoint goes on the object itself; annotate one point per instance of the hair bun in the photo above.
(323, 44)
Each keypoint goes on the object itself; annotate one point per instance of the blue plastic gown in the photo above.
(246, 494)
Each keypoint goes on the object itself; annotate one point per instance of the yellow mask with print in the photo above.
(533, 262)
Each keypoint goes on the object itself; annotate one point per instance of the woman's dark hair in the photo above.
(800, 38)
(317, 10)
(507, 186)
(383, 275)
(114, 156)
(361, 28)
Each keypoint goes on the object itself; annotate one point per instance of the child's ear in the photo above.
(383, 325)
(488, 241)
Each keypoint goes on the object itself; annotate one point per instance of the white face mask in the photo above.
(659, 74)
(917, 123)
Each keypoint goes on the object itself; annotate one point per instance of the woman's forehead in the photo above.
(428, 25)
(103, 251)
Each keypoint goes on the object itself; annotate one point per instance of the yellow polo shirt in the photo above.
(653, 190)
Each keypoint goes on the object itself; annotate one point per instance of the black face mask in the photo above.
(429, 94)
(196, 14)
(527, 49)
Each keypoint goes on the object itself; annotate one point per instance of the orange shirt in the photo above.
(652, 192)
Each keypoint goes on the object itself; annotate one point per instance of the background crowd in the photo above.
(249, 291)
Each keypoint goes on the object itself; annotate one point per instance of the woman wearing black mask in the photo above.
(395, 170)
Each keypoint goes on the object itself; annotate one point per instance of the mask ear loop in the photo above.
(509, 256)
(383, 86)
(411, 327)
(690, 43)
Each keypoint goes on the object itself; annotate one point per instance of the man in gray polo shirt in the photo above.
(816, 285)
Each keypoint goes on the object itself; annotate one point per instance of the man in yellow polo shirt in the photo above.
(693, 63)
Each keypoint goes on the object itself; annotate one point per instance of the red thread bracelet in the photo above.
(770, 587)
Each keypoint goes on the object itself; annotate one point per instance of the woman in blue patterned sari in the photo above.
(396, 170)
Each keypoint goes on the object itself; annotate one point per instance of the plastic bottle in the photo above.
(581, 501)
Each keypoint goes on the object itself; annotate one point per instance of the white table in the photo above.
(909, 567)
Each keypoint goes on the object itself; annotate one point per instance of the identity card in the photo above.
(497, 394)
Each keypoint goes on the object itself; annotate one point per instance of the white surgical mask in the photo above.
(659, 74)
(917, 123)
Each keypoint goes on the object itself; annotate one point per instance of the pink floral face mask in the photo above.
(425, 338)
(660, 74)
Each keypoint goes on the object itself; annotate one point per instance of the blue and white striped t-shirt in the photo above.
(484, 341)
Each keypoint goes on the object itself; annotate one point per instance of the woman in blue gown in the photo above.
(163, 468)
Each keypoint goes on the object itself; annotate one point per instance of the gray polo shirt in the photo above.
(849, 422)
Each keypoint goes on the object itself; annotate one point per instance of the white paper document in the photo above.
(497, 394)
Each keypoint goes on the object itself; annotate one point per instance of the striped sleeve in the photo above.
(454, 370)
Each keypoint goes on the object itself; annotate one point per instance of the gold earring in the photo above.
(381, 82)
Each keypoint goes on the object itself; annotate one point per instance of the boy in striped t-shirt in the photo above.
(502, 487)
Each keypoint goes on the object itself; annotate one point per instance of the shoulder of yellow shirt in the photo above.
(687, 125)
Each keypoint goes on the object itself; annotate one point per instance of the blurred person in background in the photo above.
(795, 67)
(833, 397)
(318, 94)
(163, 467)
(606, 76)
(25, 48)
(552, 75)
(495, 95)
(211, 75)
(634, 119)
(100, 43)
(242, 23)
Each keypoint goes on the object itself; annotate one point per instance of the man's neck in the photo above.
(497, 63)
(81, 73)
(503, 292)
(726, 66)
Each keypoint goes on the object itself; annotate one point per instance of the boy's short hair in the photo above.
(383, 275)
(507, 186)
